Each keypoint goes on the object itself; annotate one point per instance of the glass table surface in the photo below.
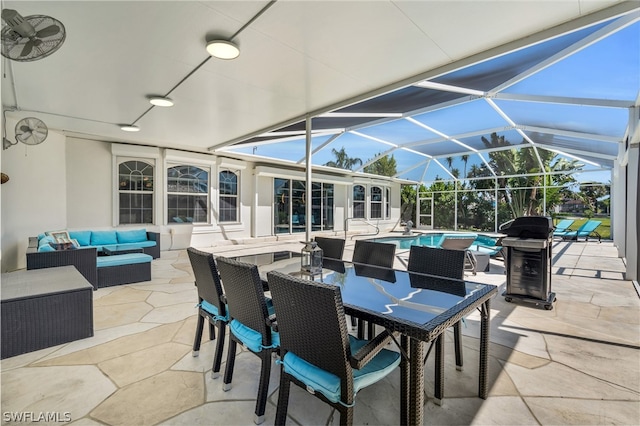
(411, 297)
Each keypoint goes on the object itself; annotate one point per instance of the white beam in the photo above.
(605, 103)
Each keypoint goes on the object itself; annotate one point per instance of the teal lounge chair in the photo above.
(486, 244)
(562, 226)
(586, 230)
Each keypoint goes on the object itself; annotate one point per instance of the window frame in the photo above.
(206, 169)
(387, 203)
(235, 196)
(376, 205)
(362, 202)
(119, 161)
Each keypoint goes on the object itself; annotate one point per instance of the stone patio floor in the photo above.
(576, 364)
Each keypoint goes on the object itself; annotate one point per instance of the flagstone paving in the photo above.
(576, 364)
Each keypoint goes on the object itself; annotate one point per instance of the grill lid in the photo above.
(530, 227)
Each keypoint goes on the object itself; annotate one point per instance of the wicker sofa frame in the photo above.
(109, 276)
(85, 261)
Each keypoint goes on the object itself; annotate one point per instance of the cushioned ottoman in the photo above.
(123, 269)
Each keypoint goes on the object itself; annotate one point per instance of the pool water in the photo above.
(427, 240)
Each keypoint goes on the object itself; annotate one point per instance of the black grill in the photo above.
(539, 227)
(528, 261)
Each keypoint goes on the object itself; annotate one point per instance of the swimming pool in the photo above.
(482, 242)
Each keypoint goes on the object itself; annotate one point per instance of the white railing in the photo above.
(346, 227)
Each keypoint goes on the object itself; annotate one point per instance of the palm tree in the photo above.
(465, 158)
(449, 161)
(343, 161)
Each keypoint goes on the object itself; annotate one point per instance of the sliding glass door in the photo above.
(290, 206)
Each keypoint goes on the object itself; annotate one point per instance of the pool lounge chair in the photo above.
(460, 242)
(562, 226)
(586, 230)
(487, 245)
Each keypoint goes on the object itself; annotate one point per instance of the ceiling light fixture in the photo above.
(161, 101)
(130, 128)
(223, 49)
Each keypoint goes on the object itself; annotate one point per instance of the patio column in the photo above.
(308, 192)
(633, 210)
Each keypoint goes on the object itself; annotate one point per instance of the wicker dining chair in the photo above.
(376, 254)
(210, 304)
(442, 263)
(332, 248)
(318, 354)
(251, 319)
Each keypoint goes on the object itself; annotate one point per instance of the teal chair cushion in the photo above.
(251, 338)
(328, 384)
(213, 311)
(209, 308)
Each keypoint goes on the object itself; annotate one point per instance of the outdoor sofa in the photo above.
(105, 257)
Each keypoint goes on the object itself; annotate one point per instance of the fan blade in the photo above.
(49, 31)
(24, 136)
(28, 47)
(17, 23)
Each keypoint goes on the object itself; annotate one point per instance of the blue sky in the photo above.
(606, 70)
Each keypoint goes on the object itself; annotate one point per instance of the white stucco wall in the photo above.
(35, 199)
(89, 184)
(264, 209)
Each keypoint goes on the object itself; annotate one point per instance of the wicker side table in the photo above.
(43, 308)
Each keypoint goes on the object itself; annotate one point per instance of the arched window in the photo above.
(135, 192)
(228, 186)
(187, 194)
(375, 208)
(359, 196)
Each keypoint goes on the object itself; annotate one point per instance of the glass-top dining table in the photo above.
(419, 307)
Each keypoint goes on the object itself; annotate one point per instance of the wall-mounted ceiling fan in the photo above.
(30, 38)
(29, 131)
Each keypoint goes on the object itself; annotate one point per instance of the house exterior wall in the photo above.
(68, 183)
(35, 197)
(88, 183)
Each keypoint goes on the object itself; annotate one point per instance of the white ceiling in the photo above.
(297, 57)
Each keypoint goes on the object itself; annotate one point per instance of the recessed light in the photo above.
(130, 128)
(160, 101)
(223, 49)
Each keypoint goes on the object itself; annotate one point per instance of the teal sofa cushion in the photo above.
(132, 236)
(123, 259)
(43, 243)
(102, 238)
(328, 384)
(83, 237)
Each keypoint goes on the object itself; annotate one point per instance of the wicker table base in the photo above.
(43, 308)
